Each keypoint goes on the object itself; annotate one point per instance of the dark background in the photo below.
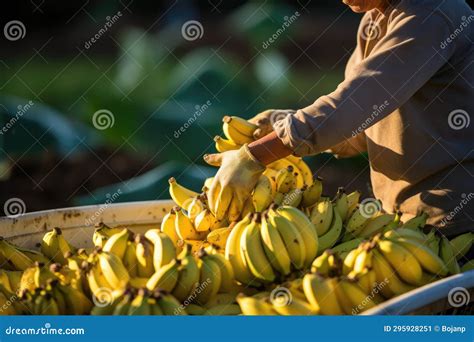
(151, 79)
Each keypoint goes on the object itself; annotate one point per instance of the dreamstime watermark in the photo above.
(281, 296)
(192, 30)
(290, 198)
(370, 30)
(286, 24)
(458, 296)
(465, 21)
(466, 198)
(369, 207)
(459, 119)
(46, 330)
(110, 199)
(102, 297)
(14, 207)
(370, 297)
(377, 110)
(21, 110)
(14, 30)
(192, 297)
(199, 110)
(103, 119)
(278, 115)
(111, 20)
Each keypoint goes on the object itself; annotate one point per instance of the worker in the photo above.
(406, 100)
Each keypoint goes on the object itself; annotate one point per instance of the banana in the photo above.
(102, 233)
(169, 305)
(232, 252)
(130, 259)
(254, 254)
(302, 168)
(227, 273)
(293, 197)
(321, 264)
(349, 260)
(204, 221)
(433, 241)
(231, 130)
(165, 278)
(366, 279)
(312, 194)
(295, 307)
(164, 250)
(251, 306)
(285, 179)
(221, 205)
(113, 269)
(356, 222)
(274, 247)
(262, 194)
(416, 222)
(117, 243)
(320, 293)
(388, 281)
(180, 195)
(306, 229)
(144, 254)
(221, 299)
(321, 216)
(210, 279)
(54, 246)
(292, 239)
(340, 203)
(207, 184)
(219, 237)
(376, 224)
(5, 302)
(448, 255)
(33, 255)
(462, 244)
(363, 258)
(331, 237)
(248, 207)
(468, 266)
(425, 256)
(98, 284)
(185, 227)
(346, 247)
(352, 202)
(223, 145)
(195, 310)
(243, 126)
(285, 163)
(76, 302)
(410, 234)
(196, 245)
(224, 310)
(194, 207)
(278, 198)
(360, 300)
(405, 264)
(123, 306)
(140, 305)
(15, 257)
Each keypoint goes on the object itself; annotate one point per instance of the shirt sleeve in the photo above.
(350, 147)
(399, 64)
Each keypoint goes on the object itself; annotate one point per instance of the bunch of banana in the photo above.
(54, 246)
(102, 233)
(16, 258)
(107, 275)
(239, 131)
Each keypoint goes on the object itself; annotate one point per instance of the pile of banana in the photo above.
(292, 250)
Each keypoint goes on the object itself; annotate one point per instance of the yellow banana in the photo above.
(274, 247)
(130, 259)
(302, 168)
(410, 234)
(293, 197)
(352, 203)
(285, 179)
(376, 224)
(188, 275)
(295, 307)
(321, 294)
(113, 269)
(210, 279)
(312, 193)
(180, 195)
(345, 247)
(262, 194)
(254, 254)
(243, 126)
(102, 233)
(185, 227)
(321, 216)
(223, 145)
(340, 203)
(164, 250)
(15, 257)
(54, 246)
(331, 237)
(232, 133)
(219, 237)
(306, 229)
(227, 273)
(144, 255)
(360, 300)
(165, 278)
(117, 243)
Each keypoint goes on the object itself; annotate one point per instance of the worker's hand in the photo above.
(265, 120)
(234, 181)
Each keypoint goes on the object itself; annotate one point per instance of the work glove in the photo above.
(234, 181)
(265, 120)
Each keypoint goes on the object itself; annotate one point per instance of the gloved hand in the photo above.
(234, 181)
(265, 120)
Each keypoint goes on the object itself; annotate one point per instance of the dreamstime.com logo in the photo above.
(14, 30)
(98, 213)
(192, 30)
(103, 119)
(14, 207)
(192, 297)
(459, 119)
(370, 207)
(281, 296)
(458, 296)
(46, 330)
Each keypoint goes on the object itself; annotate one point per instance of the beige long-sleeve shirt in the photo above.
(407, 99)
